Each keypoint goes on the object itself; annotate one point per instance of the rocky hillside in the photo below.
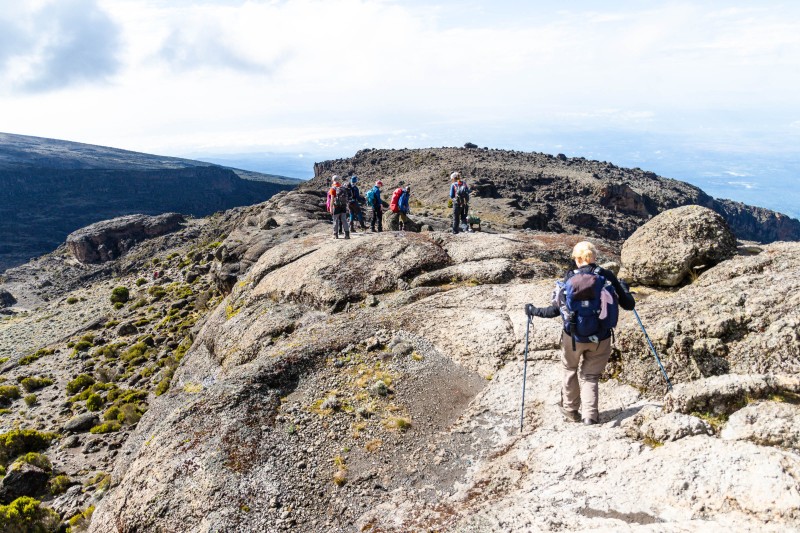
(50, 188)
(549, 193)
(246, 372)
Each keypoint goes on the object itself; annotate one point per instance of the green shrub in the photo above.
(10, 392)
(81, 382)
(130, 414)
(36, 459)
(19, 441)
(140, 282)
(27, 515)
(72, 300)
(33, 383)
(2, 470)
(106, 427)
(157, 292)
(94, 402)
(80, 521)
(28, 359)
(82, 346)
(30, 400)
(120, 295)
(60, 484)
(111, 413)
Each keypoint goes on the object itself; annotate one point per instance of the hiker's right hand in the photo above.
(529, 309)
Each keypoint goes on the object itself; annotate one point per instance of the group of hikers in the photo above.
(587, 299)
(346, 205)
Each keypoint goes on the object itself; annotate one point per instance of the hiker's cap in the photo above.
(455, 175)
(353, 179)
(335, 177)
(379, 183)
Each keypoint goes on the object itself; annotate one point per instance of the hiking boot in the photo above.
(570, 414)
(346, 235)
(372, 230)
(589, 422)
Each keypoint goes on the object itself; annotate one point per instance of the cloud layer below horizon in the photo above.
(179, 76)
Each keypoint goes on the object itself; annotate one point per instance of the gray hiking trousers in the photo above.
(340, 224)
(582, 370)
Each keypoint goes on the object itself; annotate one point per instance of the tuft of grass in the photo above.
(373, 445)
(60, 484)
(120, 295)
(9, 392)
(30, 400)
(33, 383)
(20, 441)
(28, 359)
(653, 443)
(83, 381)
(72, 300)
(81, 521)
(36, 459)
(715, 421)
(397, 423)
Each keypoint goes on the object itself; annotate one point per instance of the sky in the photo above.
(669, 85)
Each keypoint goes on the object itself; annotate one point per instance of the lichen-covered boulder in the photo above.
(666, 249)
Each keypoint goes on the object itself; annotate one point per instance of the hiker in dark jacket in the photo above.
(459, 195)
(356, 201)
(583, 360)
(376, 204)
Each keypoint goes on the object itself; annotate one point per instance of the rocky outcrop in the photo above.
(537, 191)
(109, 239)
(671, 246)
(723, 395)
(6, 299)
(738, 317)
(769, 423)
(22, 479)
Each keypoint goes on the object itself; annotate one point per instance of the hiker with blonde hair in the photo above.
(588, 300)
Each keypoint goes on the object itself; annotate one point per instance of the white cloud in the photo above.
(236, 74)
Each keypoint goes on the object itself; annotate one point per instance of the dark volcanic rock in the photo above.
(109, 239)
(665, 250)
(82, 422)
(6, 299)
(22, 480)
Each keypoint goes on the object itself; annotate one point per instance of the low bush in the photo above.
(28, 359)
(33, 383)
(60, 484)
(120, 295)
(20, 441)
(36, 459)
(81, 382)
(27, 515)
(9, 392)
(30, 400)
(72, 300)
(94, 402)
(106, 427)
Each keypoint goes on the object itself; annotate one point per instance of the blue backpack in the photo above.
(371, 197)
(402, 202)
(589, 306)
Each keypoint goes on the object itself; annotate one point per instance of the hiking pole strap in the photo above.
(653, 349)
(524, 374)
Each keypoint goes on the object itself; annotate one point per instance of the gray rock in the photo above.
(379, 388)
(109, 239)
(6, 299)
(723, 395)
(666, 249)
(81, 423)
(22, 479)
(71, 441)
(767, 423)
(402, 348)
(675, 426)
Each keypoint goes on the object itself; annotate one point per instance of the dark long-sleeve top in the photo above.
(625, 299)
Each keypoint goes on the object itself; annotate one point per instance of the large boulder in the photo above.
(23, 479)
(766, 423)
(738, 317)
(667, 249)
(6, 299)
(109, 239)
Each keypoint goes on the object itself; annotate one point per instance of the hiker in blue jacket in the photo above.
(375, 203)
(459, 195)
(586, 353)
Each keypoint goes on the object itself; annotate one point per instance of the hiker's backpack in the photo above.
(395, 200)
(355, 194)
(402, 202)
(588, 305)
(340, 200)
(462, 194)
(371, 197)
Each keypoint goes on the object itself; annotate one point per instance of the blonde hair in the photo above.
(584, 251)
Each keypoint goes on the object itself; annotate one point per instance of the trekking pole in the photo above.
(653, 349)
(524, 374)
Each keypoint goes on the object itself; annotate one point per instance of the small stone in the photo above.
(380, 388)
